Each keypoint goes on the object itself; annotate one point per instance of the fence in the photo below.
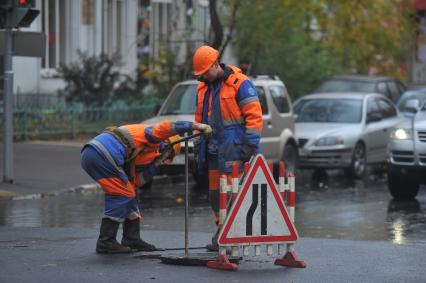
(72, 121)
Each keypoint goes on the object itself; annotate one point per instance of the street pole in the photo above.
(205, 24)
(8, 109)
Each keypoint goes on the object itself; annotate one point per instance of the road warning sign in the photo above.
(258, 214)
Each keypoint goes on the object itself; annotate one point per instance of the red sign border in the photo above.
(223, 240)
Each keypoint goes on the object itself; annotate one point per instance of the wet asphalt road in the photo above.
(328, 206)
(350, 232)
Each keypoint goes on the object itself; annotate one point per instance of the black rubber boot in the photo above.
(214, 246)
(132, 238)
(107, 243)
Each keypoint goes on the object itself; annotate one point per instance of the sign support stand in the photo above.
(290, 258)
(259, 214)
(222, 262)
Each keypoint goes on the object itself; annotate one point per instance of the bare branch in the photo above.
(216, 25)
(235, 7)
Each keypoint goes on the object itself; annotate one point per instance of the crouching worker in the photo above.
(112, 159)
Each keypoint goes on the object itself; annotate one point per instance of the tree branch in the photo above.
(216, 25)
(232, 25)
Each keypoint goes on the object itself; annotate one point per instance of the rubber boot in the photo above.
(214, 246)
(107, 243)
(132, 238)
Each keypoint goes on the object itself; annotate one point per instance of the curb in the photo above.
(83, 189)
(7, 194)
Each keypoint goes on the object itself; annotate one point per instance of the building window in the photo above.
(112, 26)
(119, 26)
(53, 26)
(87, 12)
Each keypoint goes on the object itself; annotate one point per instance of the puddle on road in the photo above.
(339, 209)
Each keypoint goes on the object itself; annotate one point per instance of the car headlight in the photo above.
(401, 134)
(326, 141)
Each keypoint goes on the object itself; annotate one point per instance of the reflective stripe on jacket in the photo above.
(237, 115)
(145, 143)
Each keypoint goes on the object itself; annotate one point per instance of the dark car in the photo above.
(388, 86)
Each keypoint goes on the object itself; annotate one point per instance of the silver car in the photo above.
(407, 154)
(344, 130)
(410, 101)
(277, 140)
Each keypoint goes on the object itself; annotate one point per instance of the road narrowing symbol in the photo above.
(258, 214)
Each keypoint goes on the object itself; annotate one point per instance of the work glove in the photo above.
(203, 128)
(165, 154)
(247, 151)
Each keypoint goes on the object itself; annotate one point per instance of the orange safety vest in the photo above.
(236, 119)
(139, 150)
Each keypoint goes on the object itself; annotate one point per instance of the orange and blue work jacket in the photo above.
(231, 107)
(129, 146)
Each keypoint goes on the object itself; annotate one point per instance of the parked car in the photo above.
(410, 101)
(277, 140)
(407, 156)
(388, 86)
(344, 130)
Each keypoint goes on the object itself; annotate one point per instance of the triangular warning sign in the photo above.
(258, 214)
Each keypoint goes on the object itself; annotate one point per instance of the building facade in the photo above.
(92, 26)
(137, 29)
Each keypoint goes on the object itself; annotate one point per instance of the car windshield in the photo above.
(339, 85)
(327, 110)
(411, 95)
(181, 100)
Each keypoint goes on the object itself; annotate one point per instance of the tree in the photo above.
(216, 25)
(275, 39)
(304, 41)
(217, 39)
(368, 33)
(95, 80)
(163, 72)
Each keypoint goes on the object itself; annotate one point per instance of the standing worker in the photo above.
(228, 102)
(120, 160)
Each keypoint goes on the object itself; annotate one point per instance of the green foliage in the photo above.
(368, 33)
(304, 41)
(161, 73)
(96, 80)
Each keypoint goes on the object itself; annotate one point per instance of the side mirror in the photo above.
(374, 117)
(412, 105)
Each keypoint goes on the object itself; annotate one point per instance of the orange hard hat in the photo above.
(204, 58)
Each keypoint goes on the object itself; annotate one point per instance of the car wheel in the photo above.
(359, 162)
(202, 181)
(402, 188)
(290, 157)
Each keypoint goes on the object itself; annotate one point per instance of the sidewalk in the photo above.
(45, 168)
(49, 168)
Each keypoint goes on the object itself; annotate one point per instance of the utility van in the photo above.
(278, 141)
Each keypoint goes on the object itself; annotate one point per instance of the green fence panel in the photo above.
(71, 121)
